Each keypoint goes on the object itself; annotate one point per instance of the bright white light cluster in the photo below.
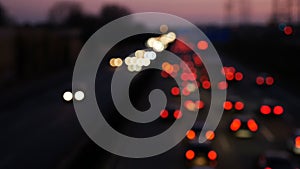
(68, 96)
(143, 58)
(158, 44)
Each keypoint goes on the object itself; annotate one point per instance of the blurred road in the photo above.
(42, 129)
(233, 152)
(43, 132)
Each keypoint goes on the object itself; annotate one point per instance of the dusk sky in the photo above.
(197, 11)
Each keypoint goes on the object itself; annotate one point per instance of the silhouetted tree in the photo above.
(66, 13)
(3, 16)
(110, 12)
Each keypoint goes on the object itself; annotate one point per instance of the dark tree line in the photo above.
(68, 14)
(4, 18)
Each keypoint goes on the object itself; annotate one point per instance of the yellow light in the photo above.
(138, 68)
(112, 62)
(165, 40)
(172, 36)
(189, 105)
(146, 62)
(139, 53)
(191, 87)
(163, 28)
(128, 61)
(200, 161)
(140, 61)
(133, 60)
(118, 62)
(131, 68)
(165, 65)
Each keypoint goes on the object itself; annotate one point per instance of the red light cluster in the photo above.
(251, 124)
(266, 110)
(211, 155)
(231, 74)
(269, 81)
(228, 105)
(164, 114)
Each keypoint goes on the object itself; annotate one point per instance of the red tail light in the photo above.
(269, 80)
(268, 168)
(184, 76)
(235, 125)
(231, 69)
(190, 154)
(177, 114)
(227, 105)
(164, 114)
(252, 125)
(164, 74)
(297, 142)
(239, 76)
(212, 155)
(199, 104)
(191, 134)
(265, 109)
(223, 85)
(210, 135)
(288, 30)
(229, 76)
(239, 106)
(206, 84)
(278, 110)
(260, 80)
(175, 91)
(224, 70)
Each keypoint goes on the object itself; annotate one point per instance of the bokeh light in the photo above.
(79, 95)
(202, 45)
(67, 96)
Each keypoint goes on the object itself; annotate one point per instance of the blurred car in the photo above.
(231, 74)
(276, 159)
(194, 133)
(170, 113)
(197, 154)
(243, 126)
(271, 107)
(294, 142)
(234, 104)
(265, 79)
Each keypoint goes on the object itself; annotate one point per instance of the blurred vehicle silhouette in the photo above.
(200, 154)
(276, 159)
(243, 126)
(271, 107)
(294, 142)
(194, 133)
